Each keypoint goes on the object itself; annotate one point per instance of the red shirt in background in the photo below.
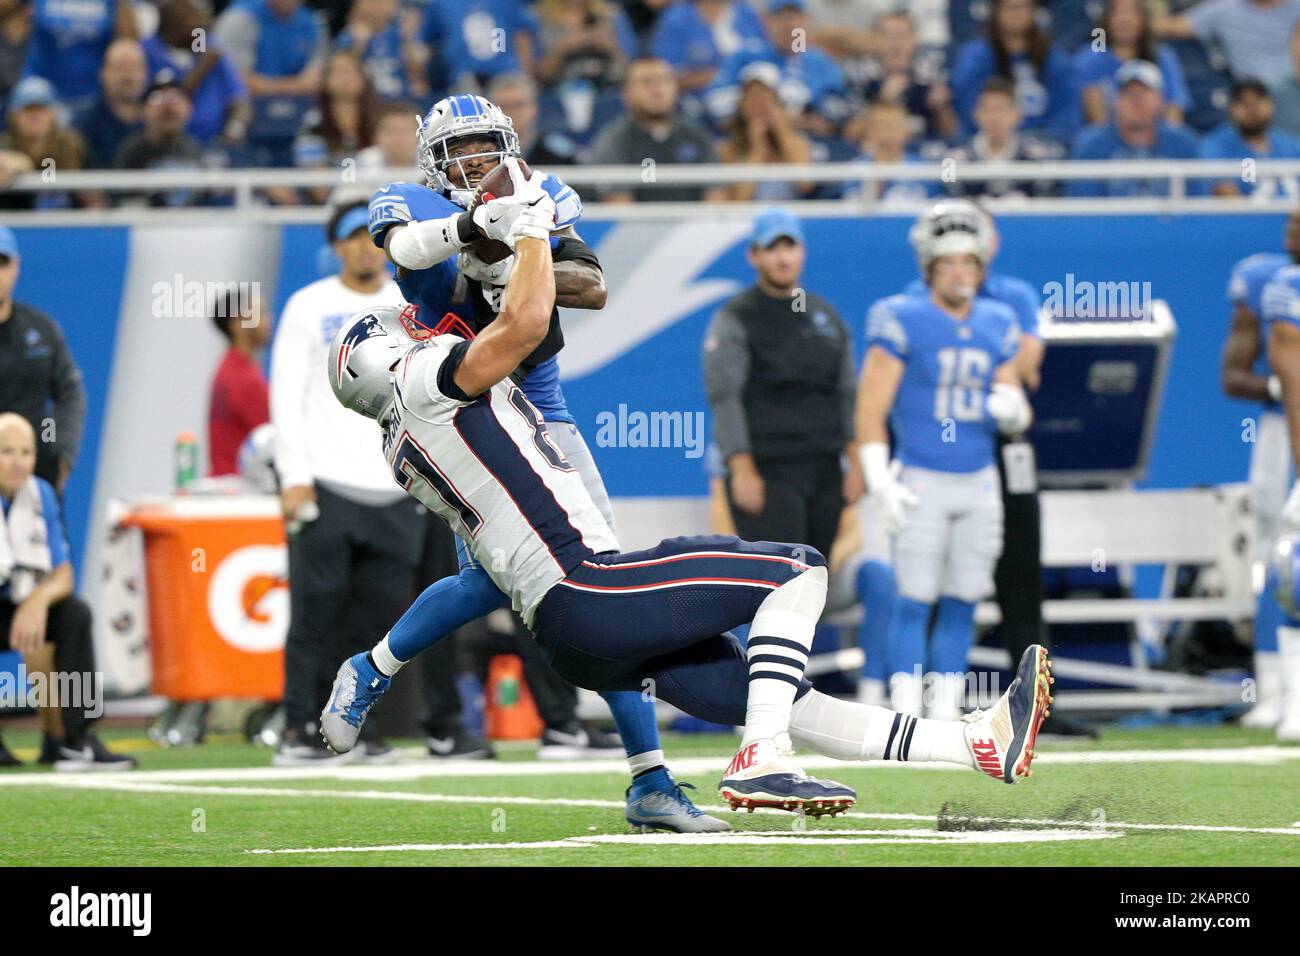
(239, 404)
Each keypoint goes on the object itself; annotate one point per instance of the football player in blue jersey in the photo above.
(1279, 304)
(941, 370)
(1246, 374)
(429, 233)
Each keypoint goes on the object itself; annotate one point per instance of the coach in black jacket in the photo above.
(38, 377)
(778, 371)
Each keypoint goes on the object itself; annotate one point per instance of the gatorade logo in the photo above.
(248, 598)
(986, 756)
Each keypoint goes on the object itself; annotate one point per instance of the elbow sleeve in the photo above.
(420, 245)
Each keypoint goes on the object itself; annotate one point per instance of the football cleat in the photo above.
(658, 802)
(764, 774)
(1002, 738)
(357, 686)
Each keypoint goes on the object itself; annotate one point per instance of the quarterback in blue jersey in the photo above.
(1246, 374)
(429, 234)
(941, 371)
(1280, 312)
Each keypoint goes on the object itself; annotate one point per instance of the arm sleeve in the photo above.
(236, 33)
(573, 249)
(69, 397)
(726, 370)
(289, 360)
(442, 380)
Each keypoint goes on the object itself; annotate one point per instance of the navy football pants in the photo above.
(655, 621)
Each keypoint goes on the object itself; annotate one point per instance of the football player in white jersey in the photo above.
(465, 440)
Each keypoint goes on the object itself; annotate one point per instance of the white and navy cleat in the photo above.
(764, 774)
(357, 687)
(1002, 738)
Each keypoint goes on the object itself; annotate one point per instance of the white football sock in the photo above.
(779, 641)
(384, 660)
(639, 763)
(907, 693)
(1288, 645)
(850, 731)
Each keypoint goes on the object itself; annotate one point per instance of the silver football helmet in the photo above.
(362, 357)
(459, 117)
(952, 227)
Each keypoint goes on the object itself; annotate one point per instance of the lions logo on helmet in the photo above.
(362, 357)
(462, 117)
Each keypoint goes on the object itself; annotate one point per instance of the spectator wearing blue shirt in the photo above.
(1249, 134)
(1126, 35)
(812, 85)
(1015, 48)
(389, 54)
(884, 140)
(896, 74)
(474, 40)
(40, 617)
(68, 43)
(118, 112)
(1253, 34)
(697, 36)
(1136, 132)
(216, 89)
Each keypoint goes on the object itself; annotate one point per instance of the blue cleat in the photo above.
(764, 774)
(658, 802)
(357, 687)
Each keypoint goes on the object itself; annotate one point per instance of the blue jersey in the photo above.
(55, 535)
(1246, 287)
(1280, 298)
(938, 417)
(1023, 300)
(433, 289)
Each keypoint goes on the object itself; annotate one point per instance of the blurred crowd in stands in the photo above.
(183, 84)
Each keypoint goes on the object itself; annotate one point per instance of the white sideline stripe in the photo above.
(683, 766)
(862, 838)
(117, 783)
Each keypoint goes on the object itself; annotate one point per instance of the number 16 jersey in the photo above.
(938, 416)
(487, 467)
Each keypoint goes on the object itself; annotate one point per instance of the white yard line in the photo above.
(123, 784)
(683, 766)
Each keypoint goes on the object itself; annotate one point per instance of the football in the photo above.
(495, 184)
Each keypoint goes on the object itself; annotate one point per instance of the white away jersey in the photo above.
(488, 468)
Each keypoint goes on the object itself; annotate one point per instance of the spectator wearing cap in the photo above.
(219, 98)
(1286, 91)
(998, 139)
(697, 36)
(40, 617)
(352, 566)
(811, 86)
(763, 132)
(1126, 27)
(162, 142)
(778, 373)
(1253, 34)
(1016, 48)
(516, 94)
(1249, 134)
(385, 42)
(652, 129)
(239, 399)
(35, 139)
(118, 113)
(39, 378)
(897, 74)
(1137, 131)
(15, 34)
(69, 41)
(472, 41)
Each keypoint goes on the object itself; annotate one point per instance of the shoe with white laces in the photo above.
(357, 687)
(1002, 738)
(764, 774)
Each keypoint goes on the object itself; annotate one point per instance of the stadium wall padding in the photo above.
(147, 375)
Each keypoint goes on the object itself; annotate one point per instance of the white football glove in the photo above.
(527, 213)
(893, 499)
(1291, 510)
(1007, 405)
(488, 273)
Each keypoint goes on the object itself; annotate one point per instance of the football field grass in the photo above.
(1170, 796)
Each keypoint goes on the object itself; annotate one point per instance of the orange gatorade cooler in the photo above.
(509, 713)
(216, 572)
